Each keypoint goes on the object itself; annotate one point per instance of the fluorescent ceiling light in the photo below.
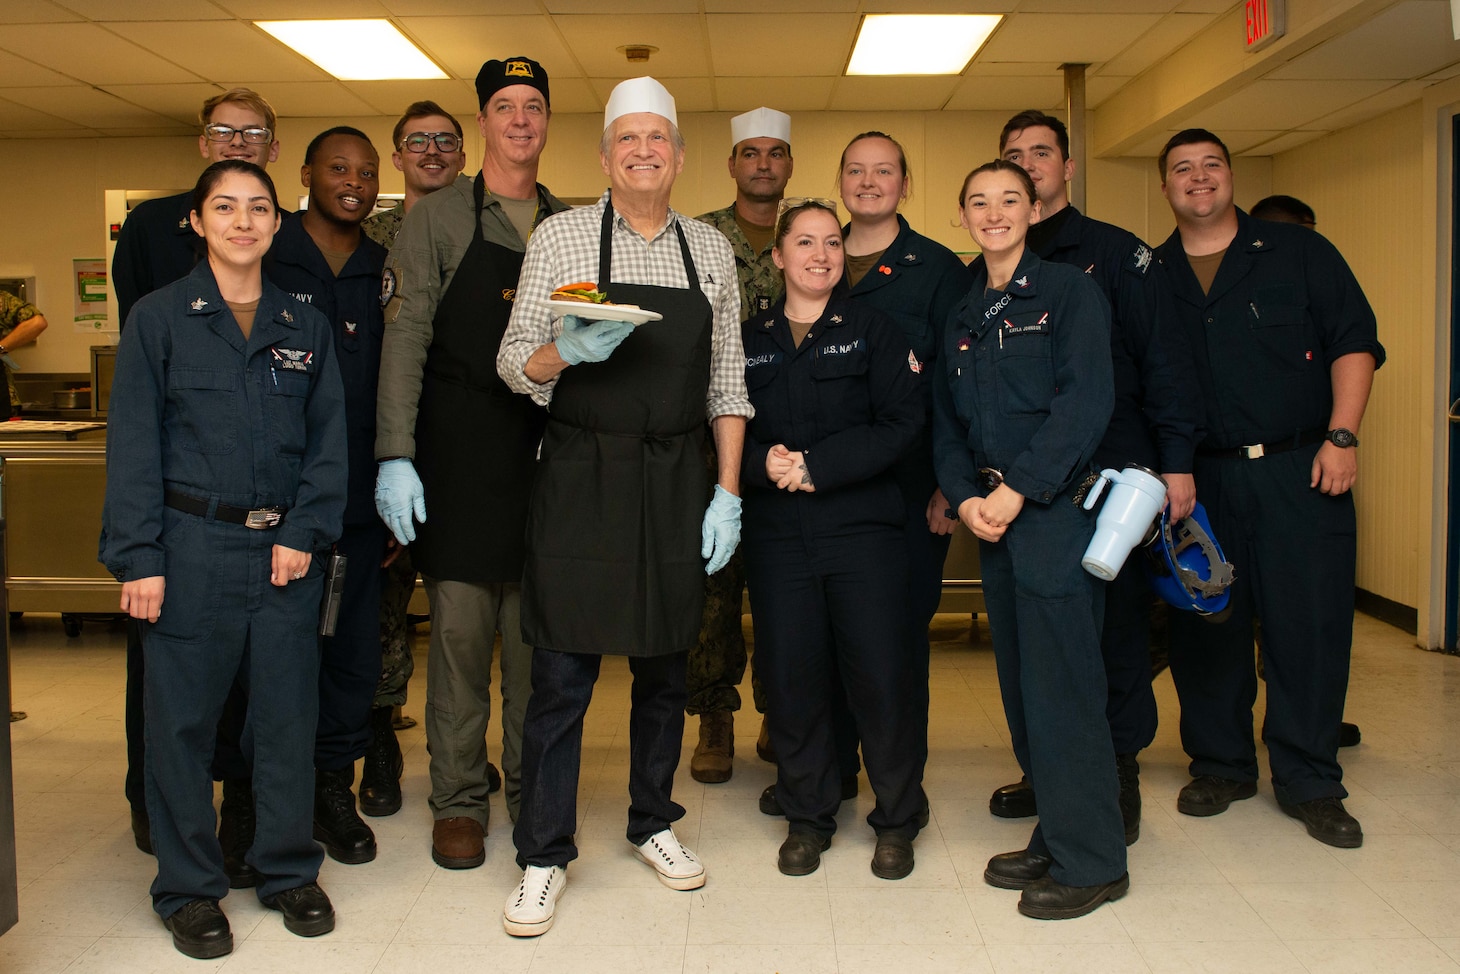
(355, 50)
(919, 43)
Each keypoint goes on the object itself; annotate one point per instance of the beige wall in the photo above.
(1368, 194)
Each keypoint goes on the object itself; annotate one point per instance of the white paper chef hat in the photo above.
(763, 123)
(639, 95)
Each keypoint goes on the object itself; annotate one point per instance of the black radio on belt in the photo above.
(334, 589)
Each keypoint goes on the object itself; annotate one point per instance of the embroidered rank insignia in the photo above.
(836, 319)
(352, 328)
(913, 364)
(1257, 243)
(286, 315)
(292, 359)
(1023, 281)
(387, 286)
(199, 304)
(183, 224)
(1142, 258)
(909, 256)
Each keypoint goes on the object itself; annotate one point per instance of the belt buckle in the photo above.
(989, 478)
(1253, 452)
(264, 518)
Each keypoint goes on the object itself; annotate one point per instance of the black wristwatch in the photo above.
(1342, 437)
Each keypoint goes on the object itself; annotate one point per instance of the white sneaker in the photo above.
(529, 910)
(677, 866)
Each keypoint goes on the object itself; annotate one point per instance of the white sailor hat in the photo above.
(639, 95)
(763, 123)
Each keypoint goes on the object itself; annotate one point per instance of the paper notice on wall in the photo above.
(91, 292)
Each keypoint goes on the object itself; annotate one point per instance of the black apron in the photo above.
(613, 563)
(476, 440)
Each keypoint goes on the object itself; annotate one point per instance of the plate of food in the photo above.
(587, 302)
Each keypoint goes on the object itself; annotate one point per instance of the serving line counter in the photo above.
(54, 483)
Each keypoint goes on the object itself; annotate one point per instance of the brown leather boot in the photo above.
(712, 758)
(456, 843)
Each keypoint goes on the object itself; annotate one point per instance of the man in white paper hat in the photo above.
(623, 517)
(761, 165)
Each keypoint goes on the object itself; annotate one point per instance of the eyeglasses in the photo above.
(790, 204)
(421, 141)
(253, 135)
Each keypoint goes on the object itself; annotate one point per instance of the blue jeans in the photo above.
(552, 750)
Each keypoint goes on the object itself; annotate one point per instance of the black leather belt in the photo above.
(1258, 450)
(259, 518)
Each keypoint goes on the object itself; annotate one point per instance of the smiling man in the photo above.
(761, 165)
(623, 519)
(1285, 346)
(321, 256)
(454, 443)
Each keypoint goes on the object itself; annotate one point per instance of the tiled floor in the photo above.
(1245, 891)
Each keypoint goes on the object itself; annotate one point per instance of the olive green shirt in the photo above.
(383, 226)
(760, 280)
(428, 248)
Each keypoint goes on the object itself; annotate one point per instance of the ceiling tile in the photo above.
(574, 95)
(593, 41)
(1283, 105)
(1010, 94)
(221, 51)
(815, 44)
(177, 102)
(462, 44)
(390, 98)
(1168, 34)
(1360, 111)
(34, 12)
(1106, 6)
(1204, 7)
(779, 6)
(1405, 41)
(291, 9)
(1241, 141)
(784, 94)
(144, 132)
(1099, 87)
(457, 8)
(91, 54)
(596, 8)
(86, 106)
(21, 118)
(17, 72)
(690, 94)
(1065, 38)
(883, 94)
(940, 6)
(1013, 69)
(115, 10)
(311, 99)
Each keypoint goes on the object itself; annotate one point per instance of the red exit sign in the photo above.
(1266, 22)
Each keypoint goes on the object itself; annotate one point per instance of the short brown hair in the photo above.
(421, 109)
(999, 165)
(1190, 137)
(246, 97)
(1031, 118)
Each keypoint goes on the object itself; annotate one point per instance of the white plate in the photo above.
(603, 312)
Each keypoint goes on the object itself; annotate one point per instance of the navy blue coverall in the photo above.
(1026, 387)
(826, 570)
(350, 664)
(1283, 306)
(917, 283)
(1155, 423)
(198, 413)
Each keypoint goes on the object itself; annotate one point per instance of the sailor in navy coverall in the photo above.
(1022, 397)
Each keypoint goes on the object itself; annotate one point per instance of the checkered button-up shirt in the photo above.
(564, 249)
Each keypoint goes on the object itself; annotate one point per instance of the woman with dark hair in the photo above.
(225, 475)
(836, 404)
(1022, 398)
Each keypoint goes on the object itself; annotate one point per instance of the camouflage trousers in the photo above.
(717, 660)
(396, 662)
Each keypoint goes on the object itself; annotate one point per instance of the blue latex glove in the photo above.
(721, 531)
(590, 341)
(398, 494)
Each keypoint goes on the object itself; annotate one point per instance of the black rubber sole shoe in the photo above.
(1210, 795)
(350, 857)
(1046, 899)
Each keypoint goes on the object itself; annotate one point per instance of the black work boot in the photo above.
(336, 823)
(380, 774)
(1128, 770)
(235, 832)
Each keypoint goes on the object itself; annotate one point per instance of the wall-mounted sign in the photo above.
(1266, 22)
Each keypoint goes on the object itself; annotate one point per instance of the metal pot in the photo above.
(71, 398)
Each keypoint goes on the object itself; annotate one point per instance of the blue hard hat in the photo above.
(1186, 567)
